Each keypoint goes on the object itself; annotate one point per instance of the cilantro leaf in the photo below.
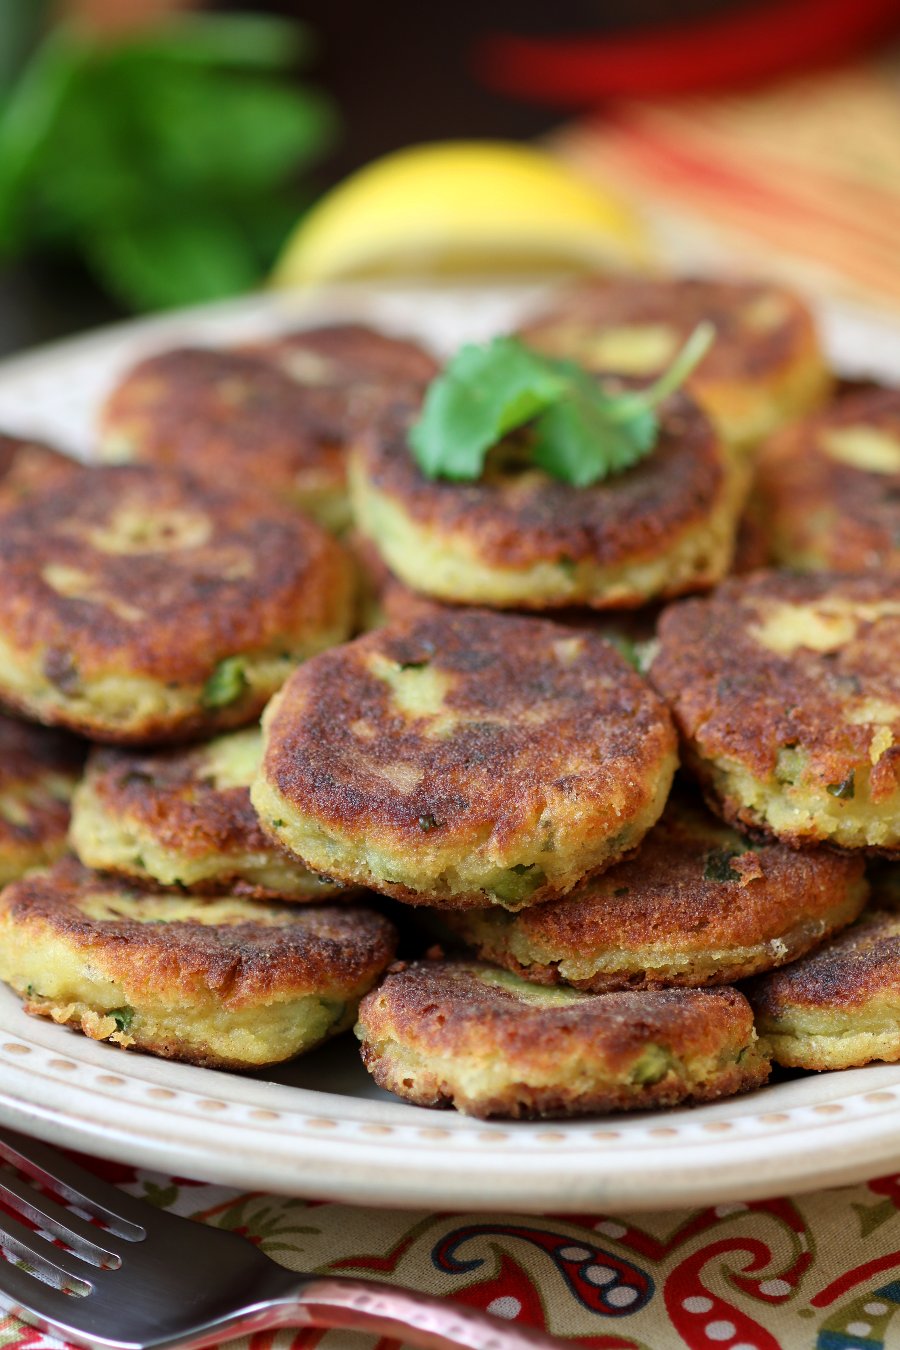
(484, 393)
(582, 431)
(582, 440)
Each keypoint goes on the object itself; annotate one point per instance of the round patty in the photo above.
(38, 773)
(697, 905)
(138, 604)
(182, 820)
(522, 540)
(226, 983)
(829, 487)
(839, 1007)
(287, 406)
(231, 419)
(463, 1034)
(786, 690)
(465, 758)
(764, 367)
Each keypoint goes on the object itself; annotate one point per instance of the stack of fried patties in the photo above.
(505, 779)
(153, 606)
(512, 778)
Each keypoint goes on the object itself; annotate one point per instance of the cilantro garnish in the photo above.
(582, 431)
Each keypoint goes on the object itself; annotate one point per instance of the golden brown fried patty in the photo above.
(829, 487)
(181, 819)
(698, 904)
(466, 1035)
(139, 604)
(839, 1007)
(38, 773)
(27, 465)
(764, 366)
(520, 539)
(232, 419)
(225, 983)
(786, 691)
(465, 758)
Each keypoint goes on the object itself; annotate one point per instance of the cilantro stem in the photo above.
(684, 364)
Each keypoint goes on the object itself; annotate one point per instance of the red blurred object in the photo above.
(727, 51)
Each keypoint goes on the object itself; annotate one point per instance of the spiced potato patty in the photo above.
(698, 904)
(786, 690)
(455, 1033)
(181, 819)
(829, 487)
(465, 758)
(840, 1006)
(519, 539)
(765, 365)
(232, 419)
(38, 773)
(139, 604)
(225, 982)
(281, 411)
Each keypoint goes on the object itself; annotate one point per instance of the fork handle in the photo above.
(346, 1304)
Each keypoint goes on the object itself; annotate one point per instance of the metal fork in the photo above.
(138, 1278)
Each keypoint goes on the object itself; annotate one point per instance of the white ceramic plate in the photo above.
(321, 1128)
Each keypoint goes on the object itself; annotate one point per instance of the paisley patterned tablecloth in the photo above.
(820, 1271)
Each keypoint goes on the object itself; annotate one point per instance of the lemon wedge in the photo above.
(462, 207)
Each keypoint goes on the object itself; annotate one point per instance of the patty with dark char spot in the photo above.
(786, 691)
(698, 904)
(453, 1033)
(464, 758)
(139, 604)
(223, 982)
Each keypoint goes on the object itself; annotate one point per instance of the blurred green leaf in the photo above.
(168, 161)
(163, 263)
(29, 118)
(205, 127)
(236, 40)
(21, 26)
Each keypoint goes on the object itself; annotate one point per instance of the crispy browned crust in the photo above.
(605, 734)
(824, 513)
(27, 755)
(27, 465)
(735, 700)
(166, 794)
(694, 887)
(680, 303)
(345, 357)
(256, 578)
(229, 417)
(441, 1009)
(289, 949)
(860, 965)
(517, 520)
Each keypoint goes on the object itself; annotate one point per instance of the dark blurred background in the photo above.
(404, 72)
